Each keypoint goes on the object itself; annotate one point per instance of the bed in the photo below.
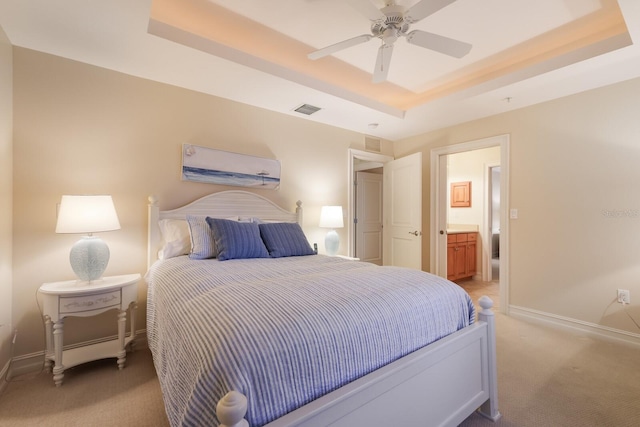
(281, 340)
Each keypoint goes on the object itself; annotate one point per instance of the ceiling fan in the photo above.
(390, 23)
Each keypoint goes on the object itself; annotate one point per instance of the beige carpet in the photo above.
(546, 377)
(95, 394)
(550, 377)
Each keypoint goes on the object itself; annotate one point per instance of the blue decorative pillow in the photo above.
(285, 239)
(235, 240)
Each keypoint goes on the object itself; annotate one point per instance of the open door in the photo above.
(402, 193)
(369, 217)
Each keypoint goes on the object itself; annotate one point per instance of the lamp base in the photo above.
(332, 242)
(89, 257)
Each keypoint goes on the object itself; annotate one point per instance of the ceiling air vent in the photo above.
(307, 109)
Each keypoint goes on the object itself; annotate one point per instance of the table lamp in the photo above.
(331, 217)
(89, 256)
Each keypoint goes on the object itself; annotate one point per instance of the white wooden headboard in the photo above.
(217, 205)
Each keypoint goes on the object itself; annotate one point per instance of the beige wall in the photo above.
(82, 129)
(6, 199)
(574, 179)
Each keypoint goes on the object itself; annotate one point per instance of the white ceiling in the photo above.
(425, 90)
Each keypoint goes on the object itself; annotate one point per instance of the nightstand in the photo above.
(84, 299)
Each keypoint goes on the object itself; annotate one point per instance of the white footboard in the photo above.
(438, 385)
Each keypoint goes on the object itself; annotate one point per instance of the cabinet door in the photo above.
(461, 194)
(460, 260)
(471, 259)
(451, 256)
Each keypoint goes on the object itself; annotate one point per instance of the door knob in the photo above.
(441, 231)
(415, 233)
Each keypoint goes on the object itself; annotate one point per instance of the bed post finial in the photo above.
(299, 211)
(231, 410)
(489, 409)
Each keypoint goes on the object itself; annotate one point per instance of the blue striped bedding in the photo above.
(285, 331)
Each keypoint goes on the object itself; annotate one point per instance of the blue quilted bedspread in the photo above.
(285, 331)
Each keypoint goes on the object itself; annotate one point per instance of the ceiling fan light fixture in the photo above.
(390, 23)
(390, 35)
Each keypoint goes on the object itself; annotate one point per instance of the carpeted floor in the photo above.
(95, 394)
(550, 377)
(546, 377)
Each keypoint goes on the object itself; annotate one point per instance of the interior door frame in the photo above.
(487, 274)
(437, 195)
(366, 156)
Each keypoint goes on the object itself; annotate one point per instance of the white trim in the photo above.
(574, 325)
(487, 255)
(3, 375)
(351, 202)
(503, 141)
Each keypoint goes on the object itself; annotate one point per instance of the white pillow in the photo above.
(175, 236)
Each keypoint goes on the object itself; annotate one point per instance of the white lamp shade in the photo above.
(87, 214)
(331, 217)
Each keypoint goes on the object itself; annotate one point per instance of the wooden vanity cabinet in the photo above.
(461, 255)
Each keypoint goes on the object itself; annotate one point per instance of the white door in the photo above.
(369, 217)
(441, 194)
(402, 194)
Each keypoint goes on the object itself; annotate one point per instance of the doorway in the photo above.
(493, 215)
(438, 223)
(368, 216)
(402, 207)
(358, 161)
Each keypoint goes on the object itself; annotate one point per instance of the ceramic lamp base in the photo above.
(89, 257)
(332, 242)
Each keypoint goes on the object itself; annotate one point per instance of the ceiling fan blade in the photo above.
(368, 9)
(424, 8)
(339, 46)
(439, 43)
(382, 63)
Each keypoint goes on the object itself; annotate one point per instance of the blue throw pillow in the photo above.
(285, 239)
(236, 240)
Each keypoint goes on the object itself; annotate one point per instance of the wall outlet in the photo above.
(624, 296)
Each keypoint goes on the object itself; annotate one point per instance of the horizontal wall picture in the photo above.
(201, 164)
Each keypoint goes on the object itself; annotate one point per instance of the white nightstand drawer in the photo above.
(89, 302)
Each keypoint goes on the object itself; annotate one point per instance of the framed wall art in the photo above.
(202, 164)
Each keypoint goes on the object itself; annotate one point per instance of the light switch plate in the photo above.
(513, 214)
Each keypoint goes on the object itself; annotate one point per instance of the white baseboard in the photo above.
(3, 374)
(32, 362)
(576, 326)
